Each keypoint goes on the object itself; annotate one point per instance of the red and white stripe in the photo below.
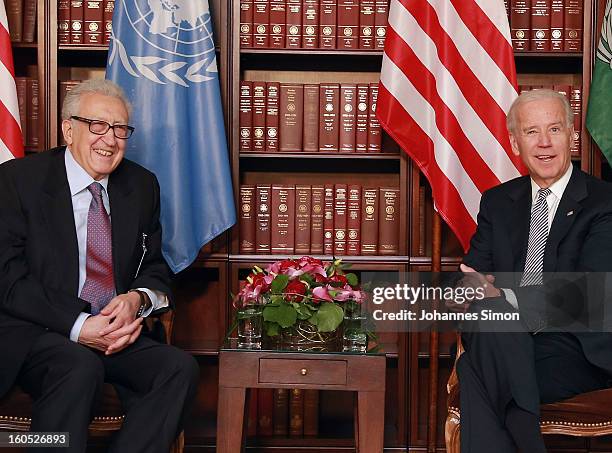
(11, 140)
(447, 81)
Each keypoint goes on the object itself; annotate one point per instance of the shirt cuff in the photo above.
(158, 300)
(510, 297)
(77, 326)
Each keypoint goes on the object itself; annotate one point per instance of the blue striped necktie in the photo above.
(538, 234)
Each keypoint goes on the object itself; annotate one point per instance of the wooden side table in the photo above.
(361, 373)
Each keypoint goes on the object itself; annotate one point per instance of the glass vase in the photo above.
(250, 326)
(354, 336)
(303, 336)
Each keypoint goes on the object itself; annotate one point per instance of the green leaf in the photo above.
(284, 314)
(352, 279)
(279, 283)
(329, 317)
(272, 329)
(303, 310)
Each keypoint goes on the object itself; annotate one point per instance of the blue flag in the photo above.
(163, 55)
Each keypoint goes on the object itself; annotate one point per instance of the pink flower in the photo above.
(320, 294)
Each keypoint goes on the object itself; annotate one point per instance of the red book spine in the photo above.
(303, 202)
(261, 21)
(246, 116)
(573, 26)
(259, 116)
(348, 107)
(294, 24)
(348, 24)
(63, 22)
(316, 223)
(381, 18)
(272, 117)
(246, 23)
(328, 25)
(64, 87)
(22, 102)
(265, 411)
(374, 130)
(556, 25)
(311, 412)
(282, 220)
(353, 224)
(362, 118)
(310, 24)
(520, 23)
(576, 105)
(366, 25)
(389, 222)
(328, 110)
(109, 8)
(340, 219)
(92, 16)
(369, 222)
(311, 118)
(540, 25)
(247, 219)
(32, 110)
(328, 220)
(252, 413)
(291, 117)
(29, 20)
(280, 422)
(262, 233)
(76, 21)
(278, 21)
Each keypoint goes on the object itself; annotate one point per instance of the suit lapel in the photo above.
(518, 222)
(56, 206)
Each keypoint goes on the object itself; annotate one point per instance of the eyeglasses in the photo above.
(100, 127)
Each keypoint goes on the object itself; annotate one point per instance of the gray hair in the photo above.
(535, 95)
(70, 107)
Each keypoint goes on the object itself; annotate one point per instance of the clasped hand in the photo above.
(115, 327)
(484, 283)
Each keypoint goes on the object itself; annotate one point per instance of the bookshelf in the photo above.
(417, 364)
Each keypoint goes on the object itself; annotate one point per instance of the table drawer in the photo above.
(294, 371)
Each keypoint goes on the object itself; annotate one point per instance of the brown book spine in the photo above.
(109, 8)
(261, 22)
(246, 116)
(265, 412)
(369, 221)
(92, 16)
(328, 24)
(362, 118)
(29, 20)
(259, 116)
(76, 21)
(348, 113)
(282, 221)
(291, 117)
(278, 23)
(348, 24)
(374, 129)
(311, 413)
(262, 233)
(366, 25)
(294, 24)
(540, 25)
(281, 412)
(328, 220)
(329, 98)
(311, 118)
(310, 24)
(573, 18)
(565, 90)
(381, 18)
(340, 219)
(253, 395)
(64, 87)
(389, 222)
(422, 221)
(556, 25)
(353, 223)
(63, 22)
(576, 105)
(247, 219)
(22, 102)
(303, 202)
(316, 222)
(32, 110)
(246, 23)
(14, 15)
(296, 413)
(520, 23)
(272, 117)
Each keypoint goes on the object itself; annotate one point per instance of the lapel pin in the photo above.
(569, 213)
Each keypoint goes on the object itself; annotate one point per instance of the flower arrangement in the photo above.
(304, 289)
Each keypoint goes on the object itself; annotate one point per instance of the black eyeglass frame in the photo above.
(109, 126)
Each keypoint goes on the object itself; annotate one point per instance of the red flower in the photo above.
(259, 280)
(338, 280)
(320, 278)
(295, 291)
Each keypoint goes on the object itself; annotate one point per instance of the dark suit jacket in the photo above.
(38, 249)
(580, 240)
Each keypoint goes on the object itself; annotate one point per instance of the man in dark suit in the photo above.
(557, 219)
(81, 265)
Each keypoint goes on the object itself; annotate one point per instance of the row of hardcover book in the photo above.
(325, 219)
(27, 100)
(326, 117)
(87, 23)
(546, 25)
(314, 24)
(21, 15)
(574, 96)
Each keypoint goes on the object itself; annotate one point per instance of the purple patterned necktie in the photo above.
(99, 286)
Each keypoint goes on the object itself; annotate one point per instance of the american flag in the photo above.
(447, 81)
(11, 140)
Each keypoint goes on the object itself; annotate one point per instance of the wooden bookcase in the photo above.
(418, 364)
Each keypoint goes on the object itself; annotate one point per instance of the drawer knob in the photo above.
(303, 371)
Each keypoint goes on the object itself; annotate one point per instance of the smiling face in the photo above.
(542, 138)
(99, 155)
